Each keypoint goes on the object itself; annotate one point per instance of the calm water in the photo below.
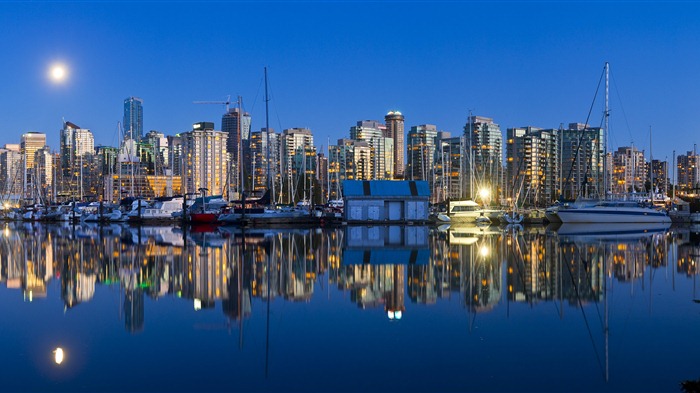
(350, 309)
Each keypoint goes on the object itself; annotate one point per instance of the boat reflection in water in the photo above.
(345, 295)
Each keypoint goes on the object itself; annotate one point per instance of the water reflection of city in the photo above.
(378, 266)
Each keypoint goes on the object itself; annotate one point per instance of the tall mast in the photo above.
(240, 147)
(267, 141)
(607, 125)
(651, 169)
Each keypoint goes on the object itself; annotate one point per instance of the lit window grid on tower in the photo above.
(206, 160)
(486, 150)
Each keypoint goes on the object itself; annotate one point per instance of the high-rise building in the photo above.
(395, 130)
(30, 144)
(688, 172)
(322, 178)
(442, 169)
(582, 160)
(133, 118)
(382, 148)
(483, 158)
(659, 170)
(75, 142)
(531, 166)
(231, 122)
(629, 170)
(43, 173)
(205, 159)
(421, 152)
(298, 156)
(263, 181)
(11, 172)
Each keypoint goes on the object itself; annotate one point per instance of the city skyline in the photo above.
(527, 64)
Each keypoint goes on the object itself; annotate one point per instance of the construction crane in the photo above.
(227, 102)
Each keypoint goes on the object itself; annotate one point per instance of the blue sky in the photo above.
(333, 63)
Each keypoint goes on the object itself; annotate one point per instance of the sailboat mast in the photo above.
(267, 140)
(607, 127)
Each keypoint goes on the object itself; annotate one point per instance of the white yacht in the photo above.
(613, 212)
(470, 211)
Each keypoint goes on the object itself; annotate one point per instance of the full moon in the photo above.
(58, 73)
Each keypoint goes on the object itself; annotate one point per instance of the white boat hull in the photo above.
(602, 215)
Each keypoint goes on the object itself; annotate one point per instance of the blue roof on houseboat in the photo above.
(386, 188)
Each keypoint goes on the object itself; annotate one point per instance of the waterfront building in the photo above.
(298, 163)
(421, 152)
(261, 180)
(629, 170)
(11, 173)
(77, 145)
(582, 159)
(322, 179)
(31, 142)
(446, 168)
(659, 170)
(382, 148)
(688, 173)
(44, 174)
(348, 160)
(483, 158)
(385, 201)
(532, 166)
(395, 130)
(157, 143)
(205, 159)
(231, 122)
(133, 118)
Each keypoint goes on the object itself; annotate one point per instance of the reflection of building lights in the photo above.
(58, 355)
(197, 304)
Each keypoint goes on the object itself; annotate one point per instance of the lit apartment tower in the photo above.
(31, 142)
(133, 118)
(322, 177)
(157, 144)
(582, 159)
(43, 172)
(205, 159)
(175, 156)
(11, 172)
(442, 168)
(453, 152)
(531, 166)
(659, 169)
(688, 172)
(372, 132)
(629, 171)
(483, 157)
(75, 143)
(421, 152)
(395, 130)
(298, 157)
(106, 163)
(341, 166)
(259, 165)
(230, 123)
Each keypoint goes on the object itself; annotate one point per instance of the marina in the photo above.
(279, 309)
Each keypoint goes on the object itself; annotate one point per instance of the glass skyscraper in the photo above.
(133, 118)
